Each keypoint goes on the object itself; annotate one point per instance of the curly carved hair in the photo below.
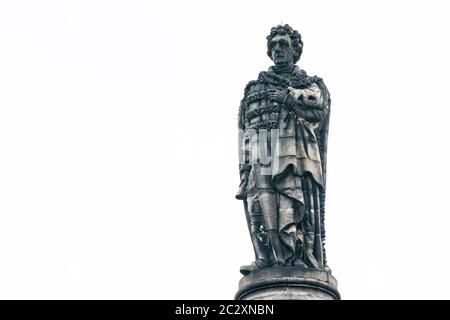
(296, 39)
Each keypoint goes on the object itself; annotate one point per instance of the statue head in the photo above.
(284, 45)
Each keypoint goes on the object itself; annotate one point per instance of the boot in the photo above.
(261, 251)
(261, 256)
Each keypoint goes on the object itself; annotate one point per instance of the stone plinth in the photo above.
(288, 283)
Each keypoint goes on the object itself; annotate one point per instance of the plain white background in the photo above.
(118, 144)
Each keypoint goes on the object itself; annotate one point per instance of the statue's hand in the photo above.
(309, 100)
(309, 97)
(277, 95)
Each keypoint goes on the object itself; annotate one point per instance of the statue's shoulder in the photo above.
(302, 79)
(300, 72)
(261, 76)
(251, 83)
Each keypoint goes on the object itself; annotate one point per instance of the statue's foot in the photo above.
(245, 270)
(300, 263)
(258, 264)
(279, 262)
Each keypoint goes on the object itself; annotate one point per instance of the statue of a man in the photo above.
(283, 122)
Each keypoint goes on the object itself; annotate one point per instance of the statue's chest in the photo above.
(260, 111)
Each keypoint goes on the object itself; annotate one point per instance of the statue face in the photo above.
(281, 49)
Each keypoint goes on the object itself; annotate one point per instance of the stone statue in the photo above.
(283, 128)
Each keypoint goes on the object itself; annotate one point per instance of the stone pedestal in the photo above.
(288, 283)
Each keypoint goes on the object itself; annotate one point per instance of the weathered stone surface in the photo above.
(288, 283)
(289, 293)
(283, 137)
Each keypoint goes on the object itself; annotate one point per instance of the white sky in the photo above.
(118, 144)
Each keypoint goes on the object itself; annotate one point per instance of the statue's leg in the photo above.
(268, 201)
(258, 236)
(257, 231)
(256, 228)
